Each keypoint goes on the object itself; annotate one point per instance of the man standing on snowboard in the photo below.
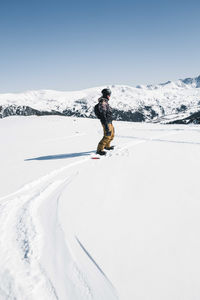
(105, 113)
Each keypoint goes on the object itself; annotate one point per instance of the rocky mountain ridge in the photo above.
(172, 101)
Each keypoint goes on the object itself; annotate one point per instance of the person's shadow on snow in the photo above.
(61, 156)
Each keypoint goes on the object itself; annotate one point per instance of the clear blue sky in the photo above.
(71, 45)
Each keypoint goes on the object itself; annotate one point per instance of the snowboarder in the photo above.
(105, 116)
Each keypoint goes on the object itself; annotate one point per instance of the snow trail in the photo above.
(25, 219)
(58, 171)
(24, 273)
(22, 245)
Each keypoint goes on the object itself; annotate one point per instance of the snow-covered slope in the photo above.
(143, 103)
(68, 223)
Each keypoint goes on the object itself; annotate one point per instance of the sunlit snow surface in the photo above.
(122, 227)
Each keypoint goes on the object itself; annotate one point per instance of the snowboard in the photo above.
(97, 156)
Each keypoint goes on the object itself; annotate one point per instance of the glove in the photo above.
(108, 133)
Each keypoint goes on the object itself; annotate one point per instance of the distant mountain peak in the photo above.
(194, 82)
(181, 83)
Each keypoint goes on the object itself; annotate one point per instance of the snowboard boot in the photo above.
(100, 152)
(109, 148)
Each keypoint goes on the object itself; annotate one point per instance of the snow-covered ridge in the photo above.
(187, 83)
(141, 103)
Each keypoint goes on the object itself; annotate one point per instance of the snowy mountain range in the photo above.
(169, 102)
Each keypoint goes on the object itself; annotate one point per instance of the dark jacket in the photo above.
(105, 111)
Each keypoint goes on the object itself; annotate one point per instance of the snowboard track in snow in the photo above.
(23, 235)
(24, 243)
(25, 240)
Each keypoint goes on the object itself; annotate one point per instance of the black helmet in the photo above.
(106, 92)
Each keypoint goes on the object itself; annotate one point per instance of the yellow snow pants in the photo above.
(105, 142)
